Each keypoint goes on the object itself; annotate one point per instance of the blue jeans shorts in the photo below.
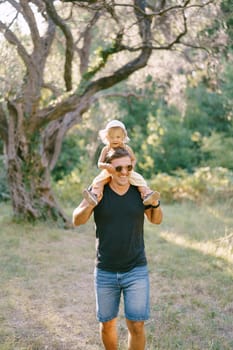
(133, 285)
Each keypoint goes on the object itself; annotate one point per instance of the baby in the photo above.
(115, 135)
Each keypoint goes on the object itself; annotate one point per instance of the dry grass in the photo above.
(47, 298)
(192, 274)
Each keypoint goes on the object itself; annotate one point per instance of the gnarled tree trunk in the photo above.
(28, 173)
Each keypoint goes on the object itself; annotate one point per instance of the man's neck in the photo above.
(118, 188)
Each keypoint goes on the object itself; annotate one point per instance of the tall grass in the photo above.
(47, 299)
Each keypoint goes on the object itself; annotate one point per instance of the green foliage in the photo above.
(204, 184)
(135, 111)
(72, 156)
(1, 147)
(69, 189)
(209, 184)
(219, 149)
(221, 23)
(226, 87)
(227, 9)
(205, 111)
(4, 190)
(163, 140)
(159, 137)
(177, 149)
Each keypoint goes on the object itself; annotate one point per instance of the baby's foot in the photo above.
(153, 196)
(90, 197)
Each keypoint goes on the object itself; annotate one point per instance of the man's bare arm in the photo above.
(154, 215)
(82, 213)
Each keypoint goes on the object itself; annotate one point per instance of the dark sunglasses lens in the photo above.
(119, 168)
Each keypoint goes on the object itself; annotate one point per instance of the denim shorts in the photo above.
(133, 285)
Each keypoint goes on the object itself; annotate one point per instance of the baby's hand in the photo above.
(110, 168)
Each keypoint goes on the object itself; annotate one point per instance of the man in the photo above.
(121, 265)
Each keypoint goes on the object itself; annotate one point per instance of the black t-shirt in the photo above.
(119, 230)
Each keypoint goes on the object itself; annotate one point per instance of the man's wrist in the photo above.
(153, 206)
(156, 206)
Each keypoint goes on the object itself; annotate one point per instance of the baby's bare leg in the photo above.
(98, 187)
(94, 195)
(145, 191)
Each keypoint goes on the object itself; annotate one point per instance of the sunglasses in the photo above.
(119, 168)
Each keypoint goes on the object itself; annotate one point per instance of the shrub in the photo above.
(209, 184)
(69, 189)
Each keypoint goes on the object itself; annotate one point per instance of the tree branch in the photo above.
(84, 52)
(13, 40)
(87, 89)
(126, 95)
(54, 135)
(177, 7)
(122, 73)
(104, 55)
(83, 102)
(30, 20)
(69, 43)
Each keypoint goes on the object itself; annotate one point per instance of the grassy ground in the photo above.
(47, 299)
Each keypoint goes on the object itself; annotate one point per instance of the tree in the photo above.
(93, 36)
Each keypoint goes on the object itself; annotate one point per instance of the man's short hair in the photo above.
(116, 153)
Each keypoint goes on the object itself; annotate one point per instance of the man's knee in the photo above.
(136, 328)
(108, 326)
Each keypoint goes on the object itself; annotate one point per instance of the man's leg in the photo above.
(108, 334)
(136, 335)
(108, 294)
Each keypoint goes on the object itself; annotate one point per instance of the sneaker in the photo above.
(90, 197)
(151, 197)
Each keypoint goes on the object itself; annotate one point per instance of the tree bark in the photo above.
(28, 174)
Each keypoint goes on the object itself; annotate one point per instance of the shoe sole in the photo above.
(151, 197)
(90, 198)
